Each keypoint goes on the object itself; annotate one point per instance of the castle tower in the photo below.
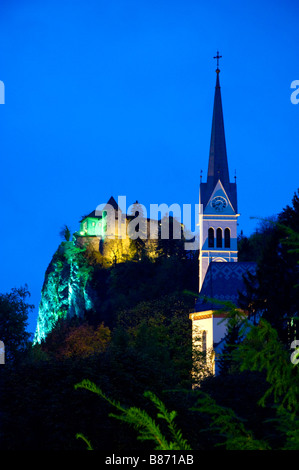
(218, 198)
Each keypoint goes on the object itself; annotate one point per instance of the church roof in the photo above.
(218, 164)
(223, 281)
(112, 202)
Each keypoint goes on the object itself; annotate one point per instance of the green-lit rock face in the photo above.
(64, 291)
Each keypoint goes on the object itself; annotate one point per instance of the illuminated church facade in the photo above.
(220, 273)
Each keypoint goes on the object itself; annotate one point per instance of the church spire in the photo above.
(218, 166)
(217, 199)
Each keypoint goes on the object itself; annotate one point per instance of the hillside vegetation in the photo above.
(128, 339)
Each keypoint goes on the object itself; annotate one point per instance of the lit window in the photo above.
(204, 341)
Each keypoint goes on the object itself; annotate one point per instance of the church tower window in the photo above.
(211, 237)
(227, 238)
(219, 238)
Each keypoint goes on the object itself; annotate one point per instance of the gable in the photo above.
(206, 189)
(219, 202)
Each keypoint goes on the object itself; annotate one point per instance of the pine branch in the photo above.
(145, 425)
(262, 350)
(88, 444)
(228, 424)
(179, 443)
(141, 421)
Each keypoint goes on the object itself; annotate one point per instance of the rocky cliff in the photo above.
(66, 291)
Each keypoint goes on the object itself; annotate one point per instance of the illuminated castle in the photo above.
(109, 231)
(104, 231)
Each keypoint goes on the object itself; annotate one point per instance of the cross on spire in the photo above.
(217, 57)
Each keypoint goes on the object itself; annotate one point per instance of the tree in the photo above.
(171, 238)
(251, 248)
(65, 233)
(75, 338)
(290, 215)
(84, 341)
(138, 232)
(273, 291)
(14, 311)
(160, 332)
(232, 340)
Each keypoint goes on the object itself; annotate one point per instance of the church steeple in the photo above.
(218, 166)
(218, 162)
(217, 198)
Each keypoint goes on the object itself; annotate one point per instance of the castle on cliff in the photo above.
(105, 232)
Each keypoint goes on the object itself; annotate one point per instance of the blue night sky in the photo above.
(115, 98)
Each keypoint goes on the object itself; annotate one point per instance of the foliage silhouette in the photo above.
(147, 428)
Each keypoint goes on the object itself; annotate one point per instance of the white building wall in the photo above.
(215, 328)
(200, 325)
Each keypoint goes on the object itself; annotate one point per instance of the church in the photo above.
(220, 272)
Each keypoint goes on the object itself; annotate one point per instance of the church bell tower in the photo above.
(218, 198)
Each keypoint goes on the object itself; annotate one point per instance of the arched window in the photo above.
(211, 237)
(227, 238)
(204, 341)
(219, 238)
